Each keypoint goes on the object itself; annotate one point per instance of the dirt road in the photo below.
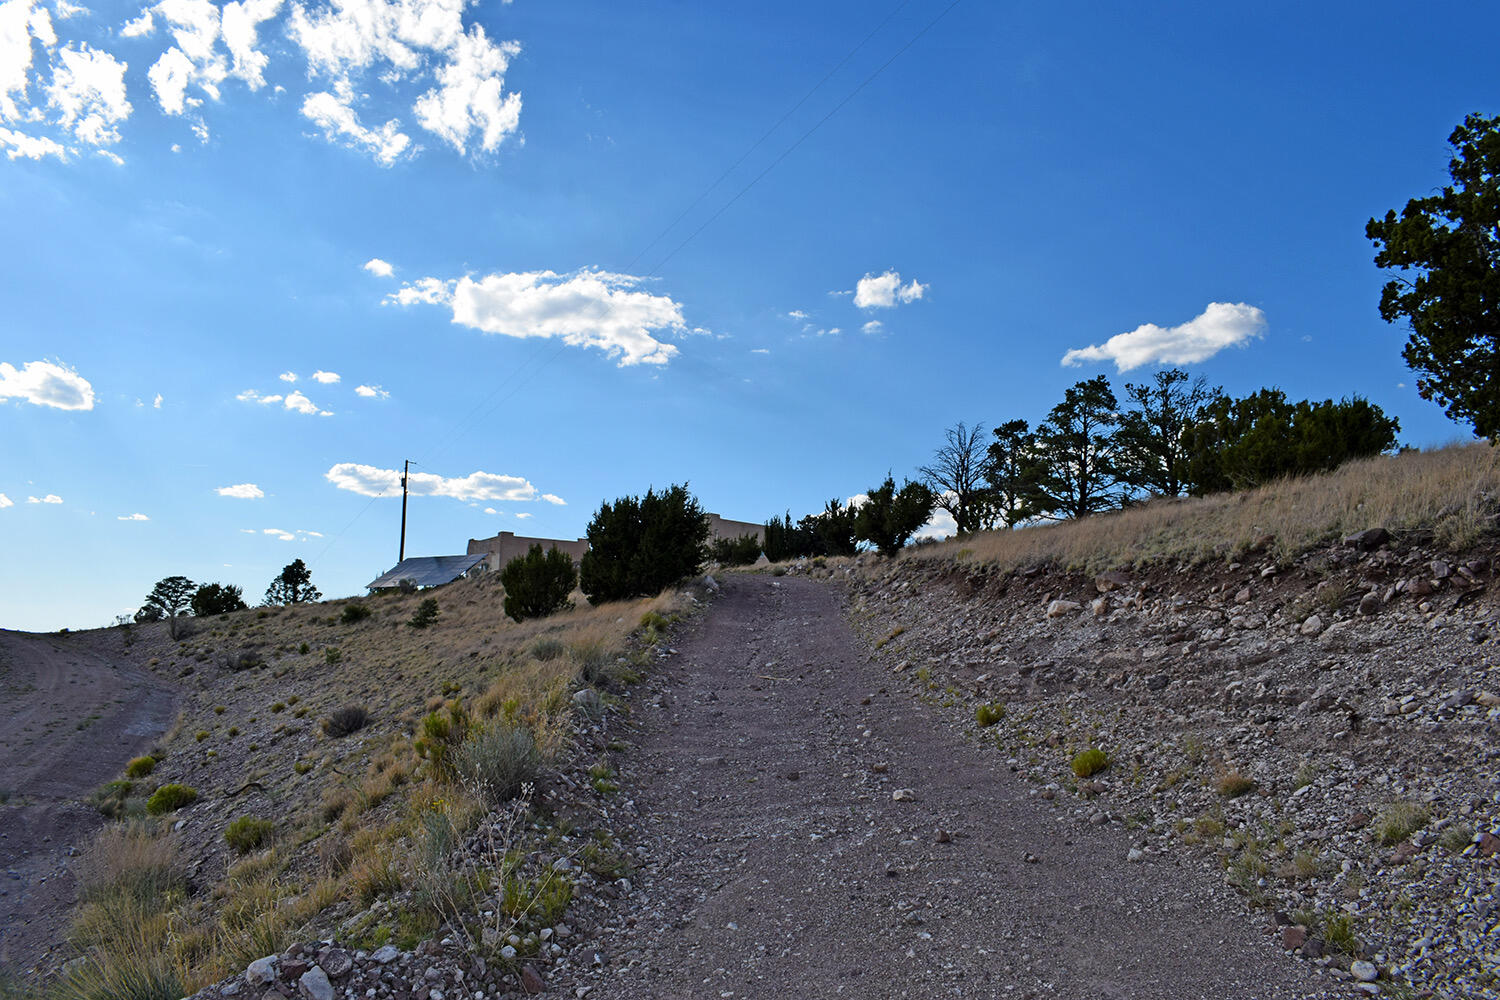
(780, 859)
(70, 716)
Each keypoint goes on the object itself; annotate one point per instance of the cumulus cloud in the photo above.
(132, 517)
(294, 400)
(371, 392)
(251, 396)
(45, 383)
(554, 498)
(241, 491)
(379, 268)
(49, 498)
(589, 308)
(1220, 325)
(797, 314)
(327, 378)
(370, 481)
(874, 326)
(940, 525)
(884, 291)
(368, 62)
(6, 501)
(523, 517)
(156, 403)
(288, 376)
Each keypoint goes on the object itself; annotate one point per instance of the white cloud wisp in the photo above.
(241, 491)
(884, 291)
(1220, 325)
(370, 481)
(44, 383)
(589, 308)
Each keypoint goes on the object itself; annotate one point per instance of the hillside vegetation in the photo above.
(327, 760)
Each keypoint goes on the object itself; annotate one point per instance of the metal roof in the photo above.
(427, 571)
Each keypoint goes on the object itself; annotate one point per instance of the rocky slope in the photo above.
(1325, 731)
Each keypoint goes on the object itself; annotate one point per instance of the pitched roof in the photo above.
(427, 571)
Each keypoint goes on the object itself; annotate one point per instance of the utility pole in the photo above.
(404, 469)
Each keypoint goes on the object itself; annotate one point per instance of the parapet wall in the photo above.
(505, 546)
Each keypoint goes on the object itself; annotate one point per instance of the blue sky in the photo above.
(255, 255)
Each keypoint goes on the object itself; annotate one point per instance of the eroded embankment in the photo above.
(1324, 733)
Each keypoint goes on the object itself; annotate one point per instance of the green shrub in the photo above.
(443, 733)
(248, 832)
(333, 656)
(639, 546)
(304, 649)
(170, 798)
(355, 613)
(988, 715)
(538, 583)
(111, 798)
(345, 721)
(246, 659)
(497, 759)
(427, 614)
(1089, 762)
(741, 551)
(1233, 784)
(139, 767)
(890, 516)
(548, 649)
(1398, 821)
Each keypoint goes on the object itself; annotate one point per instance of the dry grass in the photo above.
(1452, 492)
(348, 810)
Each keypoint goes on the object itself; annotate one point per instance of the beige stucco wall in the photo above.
(505, 546)
(719, 527)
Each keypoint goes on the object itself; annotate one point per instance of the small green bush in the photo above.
(538, 583)
(497, 759)
(111, 798)
(355, 613)
(333, 656)
(442, 736)
(988, 715)
(246, 659)
(427, 614)
(139, 767)
(1456, 838)
(345, 721)
(248, 832)
(304, 649)
(1089, 762)
(170, 798)
(1398, 821)
(741, 551)
(1233, 784)
(548, 649)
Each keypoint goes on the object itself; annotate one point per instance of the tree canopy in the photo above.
(638, 546)
(956, 476)
(217, 599)
(1076, 453)
(168, 599)
(1451, 240)
(293, 585)
(890, 516)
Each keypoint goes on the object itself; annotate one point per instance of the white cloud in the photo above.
(589, 308)
(1220, 325)
(371, 392)
(67, 10)
(379, 268)
(883, 291)
(156, 403)
(487, 510)
(940, 525)
(297, 401)
(367, 480)
(288, 376)
(19, 144)
(327, 378)
(6, 501)
(43, 383)
(334, 114)
(88, 91)
(874, 326)
(142, 27)
(470, 96)
(285, 536)
(554, 498)
(251, 396)
(132, 517)
(759, 350)
(20, 23)
(49, 498)
(523, 517)
(241, 26)
(241, 491)
(797, 314)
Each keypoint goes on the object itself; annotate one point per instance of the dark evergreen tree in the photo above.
(538, 583)
(638, 546)
(170, 597)
(834, 528)
(741, 551)
(787, 540)
(1012, 471)
(293, 585)
(1152, 445)
(1076, 473)
(890, 517)
(1452, 240)
(217, 599)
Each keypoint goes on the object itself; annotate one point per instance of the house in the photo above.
(428, 571)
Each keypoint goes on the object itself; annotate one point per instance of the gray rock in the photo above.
(588, 700)
(1365, 972)
(1058, 609)
(1312, 625)
(262, 971)
(1370, 603)
(385, 954)
(1368, 540)
(314, 985)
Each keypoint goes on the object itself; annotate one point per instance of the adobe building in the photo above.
(504, 547)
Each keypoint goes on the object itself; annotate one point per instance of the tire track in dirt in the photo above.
(70, 716)
(777, 859)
